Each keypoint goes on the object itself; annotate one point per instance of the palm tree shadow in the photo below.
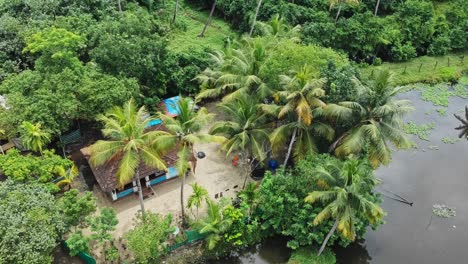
(355, 253)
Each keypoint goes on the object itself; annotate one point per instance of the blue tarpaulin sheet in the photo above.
(154, 122)
(171, 105)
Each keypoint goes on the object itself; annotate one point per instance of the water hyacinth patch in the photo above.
(443, 210)
(422, 131)
(449, 140)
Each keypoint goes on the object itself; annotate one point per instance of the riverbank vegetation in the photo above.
(311, 84)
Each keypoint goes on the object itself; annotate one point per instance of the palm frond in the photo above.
(152, 158)
(127, 167)
(102, 151)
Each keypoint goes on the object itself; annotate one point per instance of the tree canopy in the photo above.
(30, 223)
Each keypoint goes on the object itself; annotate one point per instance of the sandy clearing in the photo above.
(214, 172)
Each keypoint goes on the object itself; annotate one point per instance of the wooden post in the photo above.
(420, 66)
(448, 61)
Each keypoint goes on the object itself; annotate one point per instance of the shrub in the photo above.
(77, 243)
(147, 239)
(439, 46)
(403, 52)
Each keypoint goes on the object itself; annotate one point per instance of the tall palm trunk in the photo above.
(338, 13)
(255, 18)
(182, 183)
(332, 230)
(119, 5)
(335, 144)
(376, 7)
(291, 144)
(140, 193)
(175, 11)
(208, 22)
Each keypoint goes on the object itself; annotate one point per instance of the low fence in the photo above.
(192, 236)
(88, 259)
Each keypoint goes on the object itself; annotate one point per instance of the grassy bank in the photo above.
(190, 23)
(308, 255)
(425, 69)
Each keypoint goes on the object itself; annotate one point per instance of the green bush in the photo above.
(403, 52)
(78, 243)
(308, 255)
(283, 211)
(147, 240)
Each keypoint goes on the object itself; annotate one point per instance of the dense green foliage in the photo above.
(29, 168)
(283, 210)
(400, 31)
(76, 207)
(61, 62)
(147, 239)
(30, 223)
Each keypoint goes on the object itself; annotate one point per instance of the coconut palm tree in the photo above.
(277, 27)
(213, 225)
(464, 126)
(184, 133)
(245, 129)
(302, 94)
(33, 137)
(199, 195)
(128, 144)
(376, 121)
(236, 71)
(340, 4)
(259, 4)
(208, 21)
(345, 190)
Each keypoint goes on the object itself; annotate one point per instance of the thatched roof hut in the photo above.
(105, 174)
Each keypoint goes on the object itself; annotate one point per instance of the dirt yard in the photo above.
(214, 172)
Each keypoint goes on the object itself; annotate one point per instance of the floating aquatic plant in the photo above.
(449, 140)
(422, 131)
(443, 210)
(442, 111)
(439, 94)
